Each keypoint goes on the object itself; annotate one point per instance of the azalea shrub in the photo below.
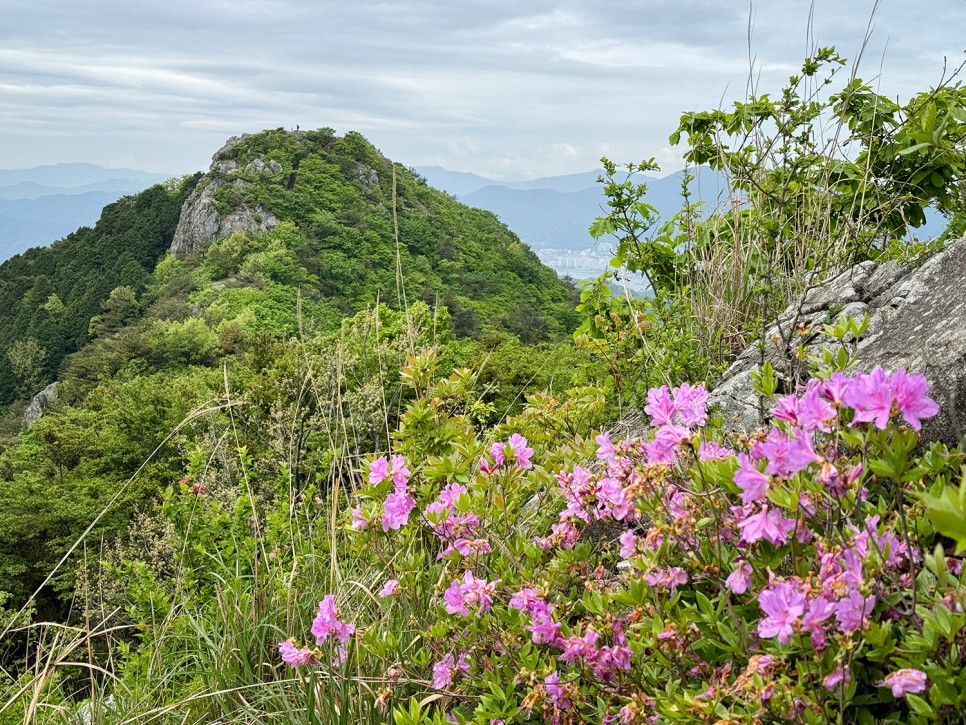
(788, 575)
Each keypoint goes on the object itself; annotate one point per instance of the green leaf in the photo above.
(920, 706)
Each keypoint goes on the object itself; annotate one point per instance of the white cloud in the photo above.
(484, 86)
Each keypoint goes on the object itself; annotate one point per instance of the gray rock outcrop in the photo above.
(38, 404)
(917, 321)
(201, 222)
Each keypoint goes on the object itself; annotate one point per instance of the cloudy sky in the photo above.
(504, 88)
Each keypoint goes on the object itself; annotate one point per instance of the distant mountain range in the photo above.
(552, 214)
(42, 204)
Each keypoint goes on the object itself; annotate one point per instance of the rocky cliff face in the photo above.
(201, 221)
(917, 321)
(38, 404)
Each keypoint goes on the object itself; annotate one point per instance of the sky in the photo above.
(508, 89)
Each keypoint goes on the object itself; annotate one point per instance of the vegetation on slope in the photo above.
(241, 322)
(49, 294)
(463, 552)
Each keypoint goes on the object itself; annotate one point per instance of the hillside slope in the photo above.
(332, 217)
(282, 221)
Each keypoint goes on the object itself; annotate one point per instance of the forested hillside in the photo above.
(49, 294)
(138, 336)
(338, 208)
(335, 458)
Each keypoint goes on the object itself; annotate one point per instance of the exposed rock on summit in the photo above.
(201, 221)
(917, 321)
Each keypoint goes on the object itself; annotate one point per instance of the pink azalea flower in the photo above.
(564, 535)
(768, 524)
(453, 600)
(752, 482)
(691, 404)
(787, 409)
(828, 476)
(400, 474)
(660, 406)
(576, 648)
(555, 693)
(904, 681)
(628, 543)
(871, 397)
(852, 612)
(389, 588)
(445, 669)
(838, 676)
(774, 449)
(784, 603)
(450, 495)
(524, 599)
(543, 628)
(473, 592)
(578, 489)
(834, 389)
(487, 467)
(468, 547)
(359, 521)
(800, 452)
(294, 656)
(521, 453)
(499, 457)
(670, 578)
(665, 443)
(909, 393)
(713, 451)
(813, 412)
(396, 510)
(611, 499)
(379, 470)
(605, 449)
(739, 581)
(327, 623)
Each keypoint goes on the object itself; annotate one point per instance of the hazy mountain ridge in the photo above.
(41, 204)
(552, 214)
(75, 174)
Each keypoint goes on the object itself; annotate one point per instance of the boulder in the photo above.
(917, 321)
(38, 404)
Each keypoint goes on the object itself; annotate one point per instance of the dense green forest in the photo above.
(358, 458)
(49, 294)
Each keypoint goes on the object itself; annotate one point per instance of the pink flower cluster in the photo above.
(295, 656)
(471, 592)
(445, 669)
(515, 449)
(604, 659)
(792, 605)
(875, 397)
(904, 681)
(454, 527)
(325, 626)
(327, 623)
(674, 413)
(542, 627)
(398, 504)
